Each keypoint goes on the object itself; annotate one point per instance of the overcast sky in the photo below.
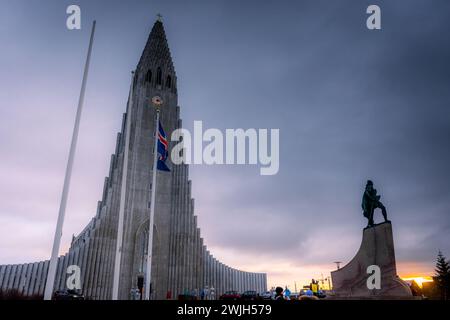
(351, 104)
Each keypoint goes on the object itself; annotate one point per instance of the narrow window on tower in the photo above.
(169, 82)
(148, 76)
(159, 77)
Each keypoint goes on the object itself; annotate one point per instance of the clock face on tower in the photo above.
(157, 101)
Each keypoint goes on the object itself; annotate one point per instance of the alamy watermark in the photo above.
(373, 22)
(374, 280)
(73, 21)
(74, 280)
(228, 148)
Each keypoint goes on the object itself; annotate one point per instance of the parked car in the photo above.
(267, 295)
(67, 295)
(249, 295)
(321, 294)
(230, 295)
(306, 297)
(294, 296)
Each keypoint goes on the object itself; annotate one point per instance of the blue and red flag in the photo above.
(163, 149)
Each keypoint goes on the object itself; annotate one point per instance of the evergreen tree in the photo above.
(442, 276)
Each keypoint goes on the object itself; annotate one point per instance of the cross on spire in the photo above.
(159, 17)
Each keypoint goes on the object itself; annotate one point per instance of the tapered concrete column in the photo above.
(233, 279)
(176, 244)
(189, 253)
(241, 286)
(258, 278)
(221, 278)
(203, 265)
(216, 276)
(17, 276)
(40, 266)
(260, 283)
(254, 281)
(232, 285)
(191, 257)
(237, 279)
(213, 272)
(32, 279)
(236, 283)
(6, 277)
(227, 278)
(2, 274)
(209, 274)
(265, 282)
(207, 271)
(199, 268)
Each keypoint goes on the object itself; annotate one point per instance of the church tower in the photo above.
(154, 77)
(181, 263)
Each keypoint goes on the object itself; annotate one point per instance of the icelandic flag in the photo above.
(163, 149)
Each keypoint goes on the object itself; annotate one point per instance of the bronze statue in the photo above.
(370, 202)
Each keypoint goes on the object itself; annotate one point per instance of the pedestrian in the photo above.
(279, 294)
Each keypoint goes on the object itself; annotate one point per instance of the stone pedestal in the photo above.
(377, 248)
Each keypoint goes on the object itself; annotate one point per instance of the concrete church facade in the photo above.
(181, 261)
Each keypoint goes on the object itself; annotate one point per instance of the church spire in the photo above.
(156, 53)
(155, 68)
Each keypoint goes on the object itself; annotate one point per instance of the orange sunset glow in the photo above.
(419, 280)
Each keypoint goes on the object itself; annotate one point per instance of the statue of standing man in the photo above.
(370, 202)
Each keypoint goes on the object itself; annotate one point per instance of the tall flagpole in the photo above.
(123, 190)
(62, 207)
(152, 211)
